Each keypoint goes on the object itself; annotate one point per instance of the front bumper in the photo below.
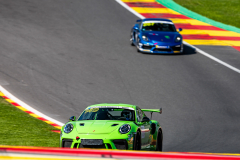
(163, 49)
(123, 142)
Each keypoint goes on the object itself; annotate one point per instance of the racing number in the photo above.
(148, 24)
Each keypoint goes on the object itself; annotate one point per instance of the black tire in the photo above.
(137, 141)
(137, 45)
(159, 140)
(138, 50)
(131, 43)
(131, 39)
(153, 128)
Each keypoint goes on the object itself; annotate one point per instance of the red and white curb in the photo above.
(26, 108)
(38, 153)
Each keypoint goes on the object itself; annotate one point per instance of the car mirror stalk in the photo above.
(73, 118)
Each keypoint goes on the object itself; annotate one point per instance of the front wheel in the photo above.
(159, 140)
(131, 42)
(137, 45)
(137, 141)
(131, 39)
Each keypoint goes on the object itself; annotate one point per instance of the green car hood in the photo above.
(98, 126)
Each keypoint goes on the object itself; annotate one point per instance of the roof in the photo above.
(156, 19)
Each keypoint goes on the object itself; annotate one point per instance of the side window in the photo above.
(140, 114)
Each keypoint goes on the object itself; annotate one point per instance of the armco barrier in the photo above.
(119, 154)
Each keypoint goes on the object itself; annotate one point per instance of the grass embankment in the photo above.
(224, 11)
(18, 128)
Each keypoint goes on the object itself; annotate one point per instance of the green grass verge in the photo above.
(224, 11)
(18, 128)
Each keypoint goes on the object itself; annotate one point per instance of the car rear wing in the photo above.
(153, 110)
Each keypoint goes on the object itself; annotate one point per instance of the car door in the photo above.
(145, 129)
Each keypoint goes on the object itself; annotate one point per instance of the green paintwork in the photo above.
(103, 129)
(178, 8)
(152, 110)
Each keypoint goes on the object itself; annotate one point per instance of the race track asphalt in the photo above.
(61, 56)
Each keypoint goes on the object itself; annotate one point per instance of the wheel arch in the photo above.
(155, 125)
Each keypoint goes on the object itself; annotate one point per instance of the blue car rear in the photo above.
(154, 35)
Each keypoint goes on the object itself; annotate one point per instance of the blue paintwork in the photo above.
(158, 42)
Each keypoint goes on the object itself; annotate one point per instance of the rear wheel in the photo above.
(159, 140)
(137, 141)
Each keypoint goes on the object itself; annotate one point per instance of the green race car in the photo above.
(113, 126)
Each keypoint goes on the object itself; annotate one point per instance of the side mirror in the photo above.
(179, 29)
(136, 27)
(145, 119)
(73, 118)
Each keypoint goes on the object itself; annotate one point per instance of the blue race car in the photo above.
(155, 35)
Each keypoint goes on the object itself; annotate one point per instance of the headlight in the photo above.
(178, 39)
(124, 128)
(68, 128)
(144, 38)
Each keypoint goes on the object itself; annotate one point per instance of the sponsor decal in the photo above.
(167, 37)
(162, 46)
(110, 107)
(92, 110)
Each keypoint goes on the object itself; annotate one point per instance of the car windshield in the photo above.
(95, 113)
(157, 26)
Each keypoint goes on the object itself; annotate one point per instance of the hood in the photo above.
(98, 127)
(161, 36)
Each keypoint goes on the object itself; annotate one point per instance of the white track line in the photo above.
(197, 49)
(24, 105)
(213, 58)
